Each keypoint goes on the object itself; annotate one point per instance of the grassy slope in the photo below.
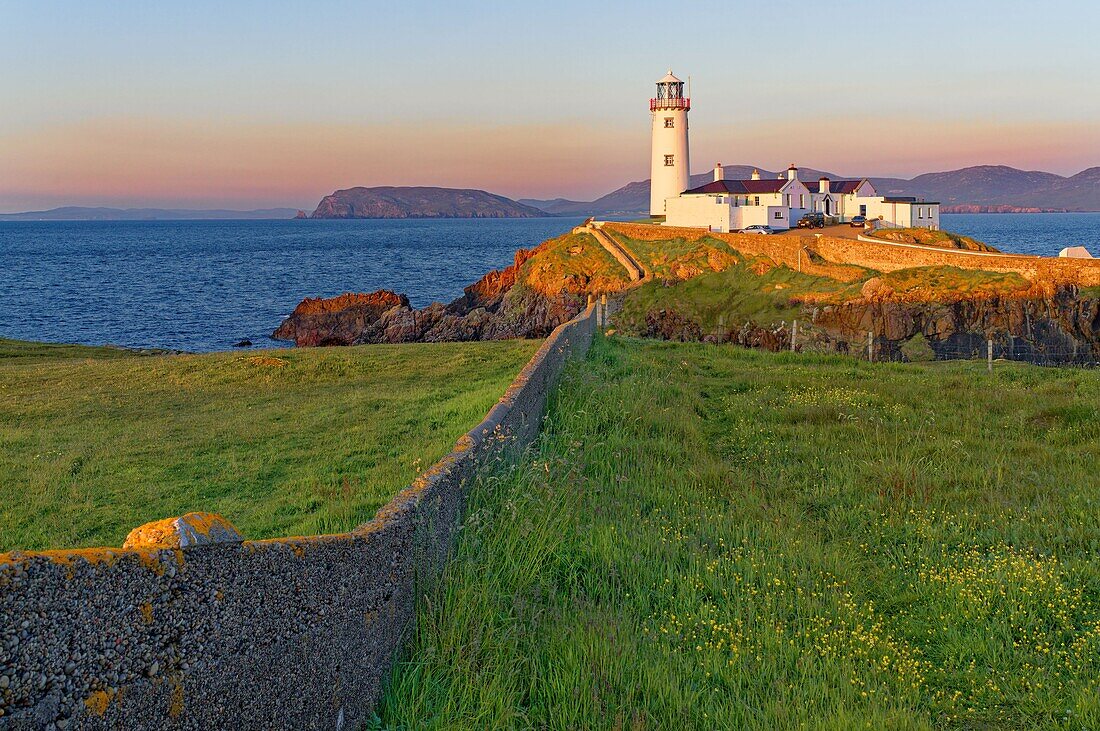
(94, 441)
(720, 538)
(736, 294)
(573, 263)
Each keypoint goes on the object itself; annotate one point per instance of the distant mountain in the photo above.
(981, 188)
(418, 202)
(80, 213)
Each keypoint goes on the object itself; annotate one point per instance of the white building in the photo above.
(728, 205)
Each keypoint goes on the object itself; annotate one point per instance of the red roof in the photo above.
(740, 187)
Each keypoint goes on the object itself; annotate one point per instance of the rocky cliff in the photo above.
(1060, 327)
(420, 202)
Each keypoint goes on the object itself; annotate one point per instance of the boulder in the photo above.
(191, 529)
(1075, 252)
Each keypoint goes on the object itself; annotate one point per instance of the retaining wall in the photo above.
(285, 633)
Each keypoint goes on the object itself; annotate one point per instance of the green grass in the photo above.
(96, 441)
(710, 537)
(736, 294)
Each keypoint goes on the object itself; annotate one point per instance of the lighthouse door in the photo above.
(828, 206)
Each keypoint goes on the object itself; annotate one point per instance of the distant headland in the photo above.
(420, 202)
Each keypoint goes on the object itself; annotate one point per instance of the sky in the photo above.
(244, 104)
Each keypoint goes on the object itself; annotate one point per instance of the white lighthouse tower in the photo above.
(669, 166)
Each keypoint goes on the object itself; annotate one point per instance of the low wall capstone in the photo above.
(294, 633)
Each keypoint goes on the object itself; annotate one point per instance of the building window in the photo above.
(670, 161)
(801, 200)
(756, 200)
(779, 215)
(788, 200)
(670, 122)
(920, 213)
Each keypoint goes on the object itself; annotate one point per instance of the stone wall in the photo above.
(294, 633)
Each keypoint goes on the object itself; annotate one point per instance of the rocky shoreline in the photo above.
(493, 308)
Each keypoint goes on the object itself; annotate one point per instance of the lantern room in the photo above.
(670, 95)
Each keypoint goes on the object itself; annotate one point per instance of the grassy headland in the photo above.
(710, 537)
(708, 279)
(96, 441)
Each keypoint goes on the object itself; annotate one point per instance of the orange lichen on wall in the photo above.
(98, 701)
(146, 610)
(175, 705)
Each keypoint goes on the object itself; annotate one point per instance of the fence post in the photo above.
(721, 327)
(870, 347)
(603, 310)
(989, 354)
(794, 334)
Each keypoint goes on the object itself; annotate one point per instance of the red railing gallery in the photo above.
(681, 103)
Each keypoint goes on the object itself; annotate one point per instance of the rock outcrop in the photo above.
(337, 320)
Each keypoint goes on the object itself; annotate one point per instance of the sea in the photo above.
(206, 285)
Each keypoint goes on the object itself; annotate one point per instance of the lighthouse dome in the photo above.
(670, 79)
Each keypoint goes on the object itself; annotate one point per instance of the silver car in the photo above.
(758, 229)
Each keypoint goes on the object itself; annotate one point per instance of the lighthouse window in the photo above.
(670, 122)
(670, 161)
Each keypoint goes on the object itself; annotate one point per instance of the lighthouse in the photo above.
(669, 166)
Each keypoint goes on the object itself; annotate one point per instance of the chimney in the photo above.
(792, 172)
(823, 185)
(719, 173)
(756, 174)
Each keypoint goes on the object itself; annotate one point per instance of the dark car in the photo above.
(859, 221)
(812, 220)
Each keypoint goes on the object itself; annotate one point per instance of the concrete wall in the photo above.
(699, 210)
(291, 633)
